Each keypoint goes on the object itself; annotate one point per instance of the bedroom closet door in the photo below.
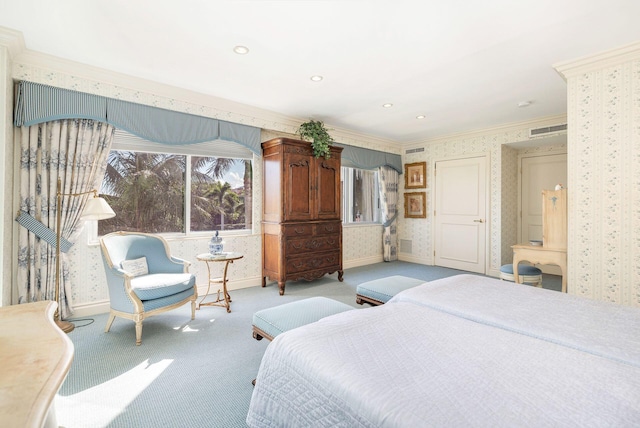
(461, 214)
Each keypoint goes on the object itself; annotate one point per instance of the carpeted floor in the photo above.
(192, 373)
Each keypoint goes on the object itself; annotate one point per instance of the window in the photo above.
(146, 189)
(361, 201)
(220, 204)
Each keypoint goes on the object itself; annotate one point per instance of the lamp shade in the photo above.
(97, 209)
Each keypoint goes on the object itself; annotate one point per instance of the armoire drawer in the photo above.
(314, 261)
(295, 246)
(327, 227)
(299, 229)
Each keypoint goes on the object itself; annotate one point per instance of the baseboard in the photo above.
(494, 272)
(90, 309)
(361, 262)
(102, 307)
(414, 259)
(231, 285)
(345, 265)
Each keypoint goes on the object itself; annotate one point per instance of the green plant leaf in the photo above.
(315, 131)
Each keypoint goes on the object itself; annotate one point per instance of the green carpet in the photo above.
(192, 373)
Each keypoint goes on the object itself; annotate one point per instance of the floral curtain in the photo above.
(74, 151)
(389, 197)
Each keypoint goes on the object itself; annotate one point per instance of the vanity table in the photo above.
(553, 250)
(36, 356)
(537, 254)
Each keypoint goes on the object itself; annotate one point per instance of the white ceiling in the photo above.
(464, 64)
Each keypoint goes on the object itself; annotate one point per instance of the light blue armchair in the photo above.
(143, 278)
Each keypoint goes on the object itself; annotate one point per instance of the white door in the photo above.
(461, 214)
(539, 173)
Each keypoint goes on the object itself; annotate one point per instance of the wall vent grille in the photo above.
(547, 130)
(416, 150)
(406, 246)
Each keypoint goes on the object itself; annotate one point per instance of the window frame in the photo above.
(347, 197)
(207, 149)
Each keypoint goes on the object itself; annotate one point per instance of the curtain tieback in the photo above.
(42, 231)
(390, 221)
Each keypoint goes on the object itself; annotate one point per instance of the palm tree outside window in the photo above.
(147, 192)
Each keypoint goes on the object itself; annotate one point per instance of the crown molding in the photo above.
(598, 61)
(496, 130)
(13, 40)
(50, 70)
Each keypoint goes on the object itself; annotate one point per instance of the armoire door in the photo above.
(327, 188)
(298, 193)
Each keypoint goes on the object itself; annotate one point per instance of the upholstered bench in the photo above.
(379, 291)
(270, 322)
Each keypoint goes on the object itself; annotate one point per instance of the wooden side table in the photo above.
(227, 258)
(540, 255)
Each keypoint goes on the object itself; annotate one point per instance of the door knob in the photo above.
(478, 221)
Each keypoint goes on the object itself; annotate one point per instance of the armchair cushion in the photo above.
(136, 267)
(157, 285)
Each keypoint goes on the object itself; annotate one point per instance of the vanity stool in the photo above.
(528, 274)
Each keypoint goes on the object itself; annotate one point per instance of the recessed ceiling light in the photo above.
(241, 50)
(387, 105)
(421, 116)
(317, 78)
(524, 103)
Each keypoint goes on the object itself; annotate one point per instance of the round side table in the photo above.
(227, 258)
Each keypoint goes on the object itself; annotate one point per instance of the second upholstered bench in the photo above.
(270, 322)
(380, 291)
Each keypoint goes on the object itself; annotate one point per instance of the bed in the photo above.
(460, 351)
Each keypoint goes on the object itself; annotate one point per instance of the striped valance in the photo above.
(37, 103)
(358, 157)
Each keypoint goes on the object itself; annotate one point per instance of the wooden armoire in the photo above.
(301, 225)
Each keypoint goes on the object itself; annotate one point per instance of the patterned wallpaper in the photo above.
(604, 177)
(88, 283)
(503, 164)
(361, 245)
(417, 230)
(509, 206)
(6, 177)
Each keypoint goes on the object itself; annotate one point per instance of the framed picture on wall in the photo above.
(415, 205)
(415, 175)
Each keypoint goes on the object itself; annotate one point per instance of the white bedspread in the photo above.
(606, 329)
(407, 365)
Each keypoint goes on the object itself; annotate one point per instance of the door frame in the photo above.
(521, 156)
(489, 220)
(549, 269)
